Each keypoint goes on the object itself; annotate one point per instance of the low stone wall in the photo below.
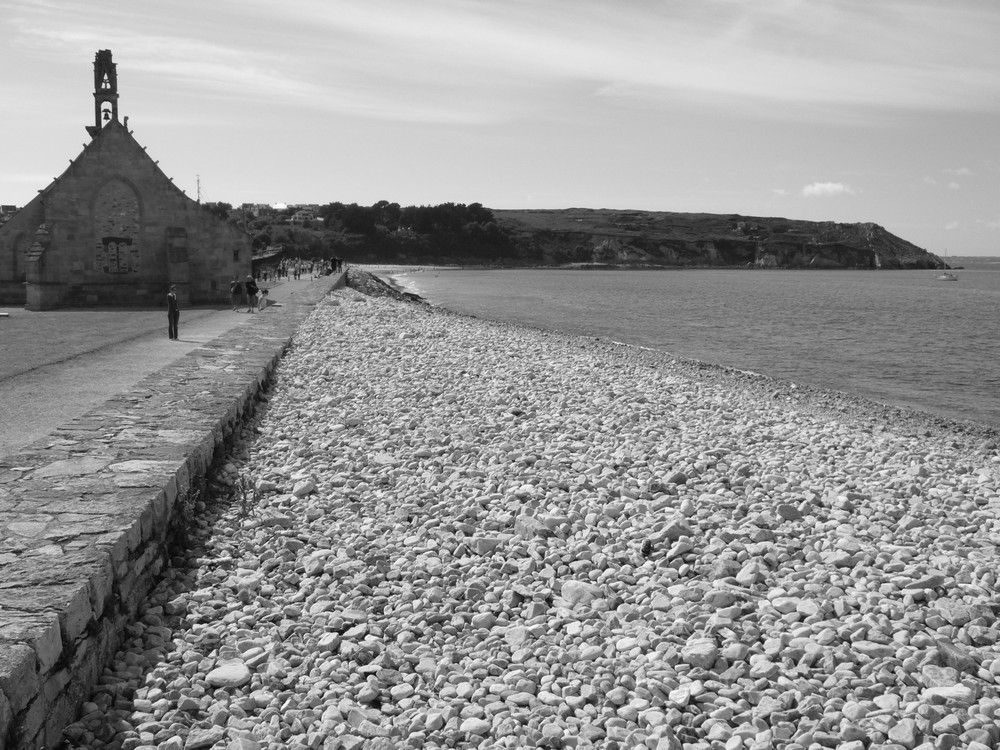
(86, 511)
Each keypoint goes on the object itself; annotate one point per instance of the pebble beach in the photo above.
(440, 531)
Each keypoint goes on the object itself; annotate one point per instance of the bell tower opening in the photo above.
(105, 92)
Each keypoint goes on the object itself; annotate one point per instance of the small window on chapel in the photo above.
(215, 285)
(236, 255)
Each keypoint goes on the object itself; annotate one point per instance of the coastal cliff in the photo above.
(473, 235)
(647, 238)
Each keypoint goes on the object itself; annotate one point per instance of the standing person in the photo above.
(235, 293)
(251, 287)
(173, 314)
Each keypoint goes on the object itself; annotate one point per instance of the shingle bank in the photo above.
(85, 515)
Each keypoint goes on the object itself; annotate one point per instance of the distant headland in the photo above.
(473, 235)
(659, 238)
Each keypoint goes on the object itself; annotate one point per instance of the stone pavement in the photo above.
(57, 365)
(107, 443)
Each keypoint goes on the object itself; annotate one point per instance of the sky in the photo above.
(884, 111)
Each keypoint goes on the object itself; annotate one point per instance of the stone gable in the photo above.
(114, 230)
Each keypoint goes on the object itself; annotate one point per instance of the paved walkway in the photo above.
(57, 365)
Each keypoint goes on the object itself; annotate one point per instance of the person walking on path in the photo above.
(173, 314)
(235, 292)
(251, 287)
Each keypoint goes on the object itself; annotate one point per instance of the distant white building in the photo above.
(257, 210)
(302, 217)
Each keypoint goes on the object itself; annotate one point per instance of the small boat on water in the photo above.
(947, 275)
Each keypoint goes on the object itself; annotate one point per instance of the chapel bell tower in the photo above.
(105, 92)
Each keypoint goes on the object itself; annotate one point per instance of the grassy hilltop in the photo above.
(583, 235)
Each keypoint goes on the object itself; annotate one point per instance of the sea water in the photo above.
(905, 338)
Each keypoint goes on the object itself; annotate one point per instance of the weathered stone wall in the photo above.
(117, 232)
(85, 513)
(16, 236)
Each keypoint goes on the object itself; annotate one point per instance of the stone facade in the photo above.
(114, 230)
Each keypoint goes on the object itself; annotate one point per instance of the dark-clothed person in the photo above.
(251, 288)
(173, 313)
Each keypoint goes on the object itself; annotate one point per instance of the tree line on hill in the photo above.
(380, 233)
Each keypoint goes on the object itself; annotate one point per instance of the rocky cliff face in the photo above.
(645, 238)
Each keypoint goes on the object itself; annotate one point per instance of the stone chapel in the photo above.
(113, 229)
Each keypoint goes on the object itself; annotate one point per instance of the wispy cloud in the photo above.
(960, 172)
(826, 189)
(953, 186)
(474, 60)
(254, 74)
(781, 51)
(187, 60)
(951, 226)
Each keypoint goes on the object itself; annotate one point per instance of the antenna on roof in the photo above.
(198, 178)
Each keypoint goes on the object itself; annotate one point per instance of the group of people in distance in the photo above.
(240, 293)
(246, 293)
(296, 268)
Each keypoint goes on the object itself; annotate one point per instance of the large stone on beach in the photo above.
(934, 676)
(953, 612)
(233, 673)
(580, 592)
(874, 650)
(720, 598)
(673, 531)
(723, 568)
(954, 695)
(955, 657)
(930, 581)
(905, 733)
(517, 636)
(839, 558)
(304, 487)
(473, 725)
(788, 512)
(700, 652)
(204, 737)
(486, 545)
(528, 527)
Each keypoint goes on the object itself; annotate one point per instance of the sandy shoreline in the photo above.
(475, 534)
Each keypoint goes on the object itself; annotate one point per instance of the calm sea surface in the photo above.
(899, 337)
